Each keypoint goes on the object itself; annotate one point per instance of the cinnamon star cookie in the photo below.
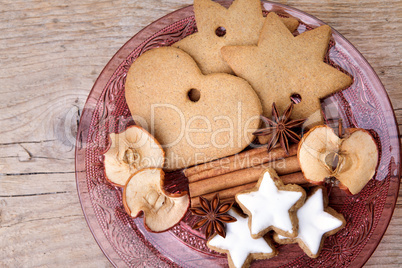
(240, 24)
(316, 222)
(282, 65)
(271, 205)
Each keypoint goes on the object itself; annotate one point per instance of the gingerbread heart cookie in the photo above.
(195, 117)
(240, 24)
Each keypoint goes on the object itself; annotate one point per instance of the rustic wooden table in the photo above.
(51, 52)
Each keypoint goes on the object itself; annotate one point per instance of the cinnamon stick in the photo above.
(222, 161)
(250, 158)
(242, 176)
(229, 194)
(223, 194)
(295, 178)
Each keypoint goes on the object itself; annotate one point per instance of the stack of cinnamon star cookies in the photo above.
(282, 209)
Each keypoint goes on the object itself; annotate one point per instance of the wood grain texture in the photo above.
(51, 53)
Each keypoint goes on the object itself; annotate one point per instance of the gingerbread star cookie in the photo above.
(241, 248)
(271, 205)
(316, 222)
(240, 24)
(282, 66)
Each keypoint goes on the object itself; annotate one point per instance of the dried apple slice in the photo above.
(352, 160)
(130, 151)
(144, 192)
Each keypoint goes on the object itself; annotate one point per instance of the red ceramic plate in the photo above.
(126, 242)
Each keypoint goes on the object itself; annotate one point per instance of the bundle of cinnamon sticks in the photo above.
(230, 175)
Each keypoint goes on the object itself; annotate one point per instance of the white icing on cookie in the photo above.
(314, 222)
(239, 242)
(269, 206)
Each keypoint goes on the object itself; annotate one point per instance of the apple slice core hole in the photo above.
(130, 156)
(332, 160)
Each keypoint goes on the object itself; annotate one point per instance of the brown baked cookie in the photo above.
(195, 117)
(316, 222)
(271, 205)
(282, 65)
(240, 24)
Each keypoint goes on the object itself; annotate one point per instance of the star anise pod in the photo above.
(214, 216)
(280, 128)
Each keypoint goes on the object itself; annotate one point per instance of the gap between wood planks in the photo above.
(41, 219)
(26, 195)
(24, 142)
(37, 173)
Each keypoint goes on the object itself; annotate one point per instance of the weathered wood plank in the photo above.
(34, 158)
(58, 239)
